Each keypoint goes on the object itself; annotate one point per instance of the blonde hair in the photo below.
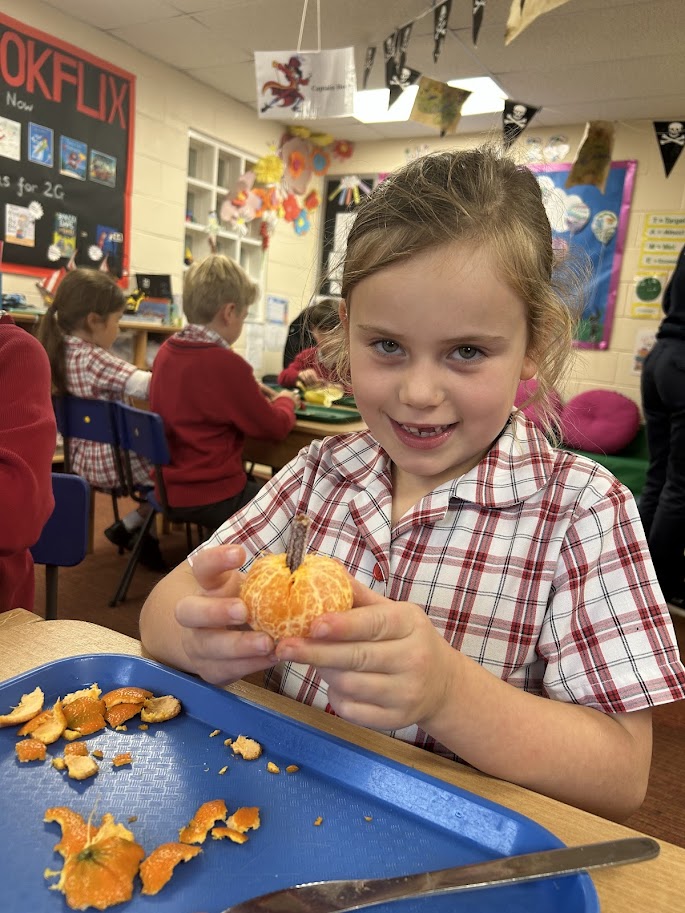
(474, 197)
(211, 283)
(80, 293)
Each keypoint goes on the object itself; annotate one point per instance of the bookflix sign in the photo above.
(66, 150)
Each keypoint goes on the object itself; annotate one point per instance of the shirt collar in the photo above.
(196, 332)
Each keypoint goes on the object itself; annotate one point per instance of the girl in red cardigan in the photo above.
(306, 369)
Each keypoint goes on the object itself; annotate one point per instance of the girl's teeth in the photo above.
(423, 432)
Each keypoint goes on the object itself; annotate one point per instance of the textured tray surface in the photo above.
(417, 822)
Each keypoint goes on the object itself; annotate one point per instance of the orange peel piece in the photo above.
(244, 819)
(28, 707)
(76, 748)
(120, 713)
(220, 833)
(93, 692)
(101, 874)
(129, 694)
(80, 767)
(249, 749)
(85, 715)
(157, 869)
(204, 818)
(160, 709)
(120, 760)
(47, 726)
(75, 831)
(284, 603)
(30, 750)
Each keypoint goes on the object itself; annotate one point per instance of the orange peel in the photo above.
(28, 707)
(47, 726)
(202, 821)
(85, 715)
(30, 750)
(157, 869)
(160, 709)
(75, 831)
(120, 713)
(129, 694)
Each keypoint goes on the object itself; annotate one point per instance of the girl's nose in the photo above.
(421, 388)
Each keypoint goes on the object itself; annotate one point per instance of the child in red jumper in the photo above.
(305, 369)
(210, 400)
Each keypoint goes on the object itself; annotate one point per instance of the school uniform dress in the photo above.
(533, 563)
(95, 373)
(27, 445)
(210, 402)
(303, 361)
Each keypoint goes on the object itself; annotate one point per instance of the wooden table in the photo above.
(277, 453)
(650, 887)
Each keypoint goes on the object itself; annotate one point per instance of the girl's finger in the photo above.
(228, 645)
(209, 612)
(384, 620)
(212, 565)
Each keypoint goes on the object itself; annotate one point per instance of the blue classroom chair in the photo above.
(64, 539)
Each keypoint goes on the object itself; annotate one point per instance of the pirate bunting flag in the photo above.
(593, 159)
(441, 15)
(398, 76)
(671, 138)
(477, 11)
(523, 13)
(515, 118)
(368, 63)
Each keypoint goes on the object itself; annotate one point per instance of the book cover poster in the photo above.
(41, 145)
(109, 240)
(73, 155)
(20, 227)
(103, 168)
(64, 235)
(10, 139)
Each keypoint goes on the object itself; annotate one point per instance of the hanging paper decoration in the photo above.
(515, 118)
(398, 76)
(441, 15)
(402, 80)
(312, 201)
(477, 12)
(671, 138)
(369, 58)
(438, 105)
(321, 162)
(296, 154)
(534, 149)
(348, 191)
(593, 159)
(390, 46)
(301, 223)
(305, 85)
(343, 149)
(522, 14)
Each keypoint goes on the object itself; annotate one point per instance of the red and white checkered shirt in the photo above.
(95, 373)
(533, 563)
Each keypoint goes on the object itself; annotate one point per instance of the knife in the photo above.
(354, 894)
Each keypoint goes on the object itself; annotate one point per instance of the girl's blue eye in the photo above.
(467, 353)
(386, 346)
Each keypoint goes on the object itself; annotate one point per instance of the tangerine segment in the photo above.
(29, 706)
(120, 713)
(284, 604)
(204, 818)
(85, 715)
(48, 726)
(75, 830)
(157, 869)
(30, 750)
(102, 873)
(126, 695)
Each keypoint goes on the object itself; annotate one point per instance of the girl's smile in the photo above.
(438, 345)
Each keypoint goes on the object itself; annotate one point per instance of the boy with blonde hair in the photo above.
(209, 398)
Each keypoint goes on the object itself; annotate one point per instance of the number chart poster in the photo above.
(66, 149)
(591, 226)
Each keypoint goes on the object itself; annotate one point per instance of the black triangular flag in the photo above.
(403, 37)
(368, 63)
(400, 81)
(671, 137)
(478, 10)
(441, 15)
(515, 118)
(390, 46)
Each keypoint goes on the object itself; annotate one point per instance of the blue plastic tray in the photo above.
(417, 822)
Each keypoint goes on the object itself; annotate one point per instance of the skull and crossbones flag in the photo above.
(670, 135)
(477, 12)
(398, 76)
(368, 63)
(441, 14)
(515, 118)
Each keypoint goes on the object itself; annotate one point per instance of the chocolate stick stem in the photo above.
(297, 546)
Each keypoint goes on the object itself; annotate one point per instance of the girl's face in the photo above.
(104, 330)
(438, 345)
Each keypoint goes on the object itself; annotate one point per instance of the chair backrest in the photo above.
(142, 432)
(64, 539)
(87, 419)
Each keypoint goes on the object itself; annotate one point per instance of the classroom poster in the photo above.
(66, 150)
(590, 225)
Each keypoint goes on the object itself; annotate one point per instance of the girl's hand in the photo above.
(218, 643)
(385, 664)
(309, 378)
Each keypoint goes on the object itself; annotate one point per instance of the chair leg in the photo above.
(50, 592)
(189, 538)
(127, 576)
(91, 523)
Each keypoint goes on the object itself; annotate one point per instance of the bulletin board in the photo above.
(591, 225)
(66, 149)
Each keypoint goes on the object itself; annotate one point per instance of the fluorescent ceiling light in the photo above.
(371, 105)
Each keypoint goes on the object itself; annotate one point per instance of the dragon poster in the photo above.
(305, 85)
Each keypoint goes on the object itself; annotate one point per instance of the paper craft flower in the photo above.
(302, 132)
(302, 223)
(343, 149)
(312, 200)
(296, 153)
(269, 169)
(321, 162)
(291, 208)
(321, 139)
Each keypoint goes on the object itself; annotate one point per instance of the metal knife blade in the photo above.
(354, 894)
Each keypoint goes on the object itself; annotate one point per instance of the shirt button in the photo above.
(377, 573)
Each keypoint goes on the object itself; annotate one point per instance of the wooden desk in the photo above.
(278, 453)
(650, 887)
(142, 329)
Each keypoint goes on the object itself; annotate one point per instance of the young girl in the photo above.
(506, 608)
(306, 368)
(78, 331)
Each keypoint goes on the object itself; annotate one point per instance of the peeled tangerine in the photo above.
(284, 603)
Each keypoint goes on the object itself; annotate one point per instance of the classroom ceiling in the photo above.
(585, 60)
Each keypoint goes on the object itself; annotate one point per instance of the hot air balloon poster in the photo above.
(589, 227)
